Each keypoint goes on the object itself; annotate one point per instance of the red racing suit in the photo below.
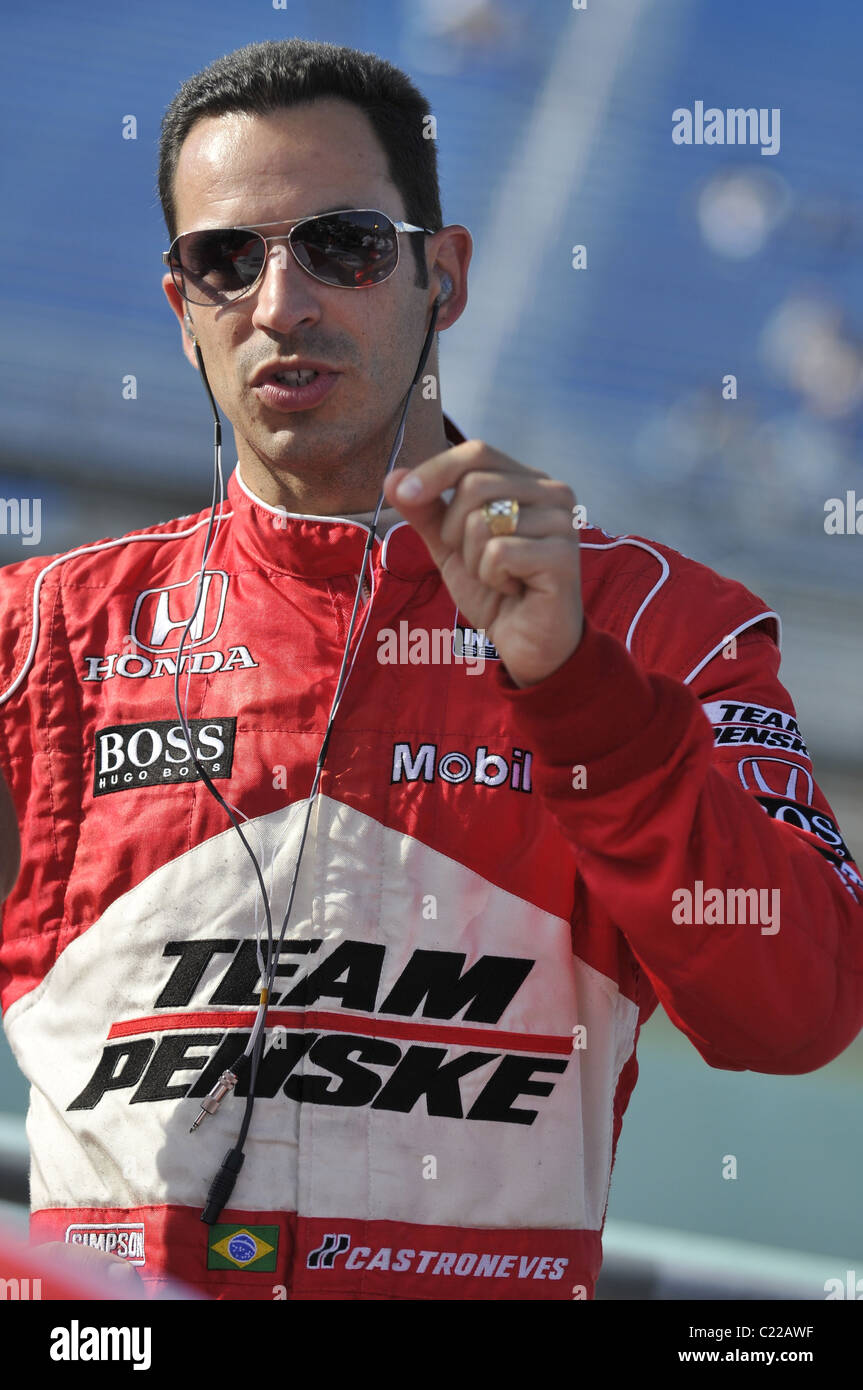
(497, 887)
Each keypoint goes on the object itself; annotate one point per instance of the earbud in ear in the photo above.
(445, 288)
(190, 327)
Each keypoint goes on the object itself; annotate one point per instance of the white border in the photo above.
(750, 622)
(642, 545)
(666, 570)
(297, 516)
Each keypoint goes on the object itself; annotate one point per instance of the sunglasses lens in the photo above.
(218, 265)
(350, 249)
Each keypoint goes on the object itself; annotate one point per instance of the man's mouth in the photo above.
(294, 388)
(297, 378)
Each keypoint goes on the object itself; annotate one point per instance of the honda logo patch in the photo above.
(160, 615)
(777, 777)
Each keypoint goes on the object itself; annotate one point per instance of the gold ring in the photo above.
(501, 516)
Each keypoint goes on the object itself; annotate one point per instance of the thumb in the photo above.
(391, 482)
(426, 514)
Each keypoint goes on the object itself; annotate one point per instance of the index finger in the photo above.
(434, 476)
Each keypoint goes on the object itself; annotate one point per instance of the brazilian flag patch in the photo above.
(243, 1247)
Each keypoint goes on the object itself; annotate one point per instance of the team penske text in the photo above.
(760, 724)
(426, 1065)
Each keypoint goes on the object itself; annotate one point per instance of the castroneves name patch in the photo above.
(125, 1239)
(155, 754)
(435, 1262)
(739, 724)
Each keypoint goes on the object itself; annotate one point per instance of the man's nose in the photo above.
(286, 295)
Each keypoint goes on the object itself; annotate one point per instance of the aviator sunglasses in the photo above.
(351, 249)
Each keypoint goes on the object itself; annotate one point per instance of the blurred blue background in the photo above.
(554, 130)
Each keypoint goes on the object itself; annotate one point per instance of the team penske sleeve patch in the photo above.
(739, 724)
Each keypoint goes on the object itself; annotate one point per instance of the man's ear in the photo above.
(181, 309)
(449, 253)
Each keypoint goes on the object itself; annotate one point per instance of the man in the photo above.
(503, 857)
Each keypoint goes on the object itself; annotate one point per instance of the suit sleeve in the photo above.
(676, 818)
(10, 843)
(19, 719)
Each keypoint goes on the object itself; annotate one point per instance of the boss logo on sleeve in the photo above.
(805, 818)
(157, 753)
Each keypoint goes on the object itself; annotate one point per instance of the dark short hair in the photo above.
(265, 77)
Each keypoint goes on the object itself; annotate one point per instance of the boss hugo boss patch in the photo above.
(157, 754)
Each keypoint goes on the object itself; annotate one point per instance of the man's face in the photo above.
(248, 170)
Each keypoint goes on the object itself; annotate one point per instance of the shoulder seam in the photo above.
(90, 550)
(665, 572)
(742, 627)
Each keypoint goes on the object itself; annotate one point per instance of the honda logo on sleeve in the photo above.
(160, 615)
(777, 777)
